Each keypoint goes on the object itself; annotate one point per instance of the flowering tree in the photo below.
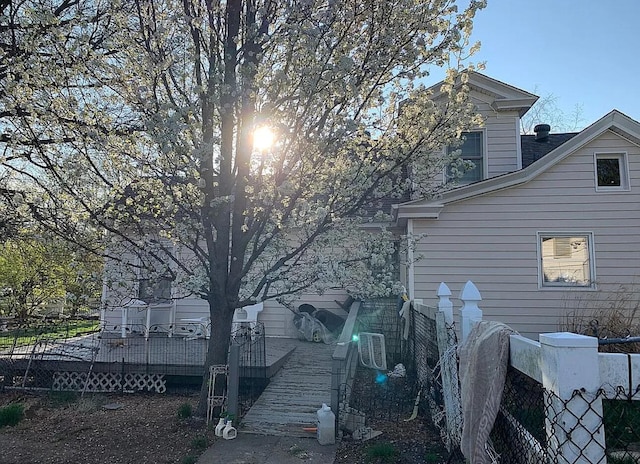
(139, 118)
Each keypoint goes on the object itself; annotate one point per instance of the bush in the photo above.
(381, 452)
(185, 411)
(613, 313)
(199, 443)
(62, 398)
(11, 414)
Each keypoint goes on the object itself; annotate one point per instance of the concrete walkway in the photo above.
(249, 448)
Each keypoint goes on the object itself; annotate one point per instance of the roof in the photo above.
(502, 96)
(533, 150)
(615, 121)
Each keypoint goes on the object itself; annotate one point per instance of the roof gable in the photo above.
(502, 97)
(615, 121)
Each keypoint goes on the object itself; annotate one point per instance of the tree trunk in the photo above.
(218, 348)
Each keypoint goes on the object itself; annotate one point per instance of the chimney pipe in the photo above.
(542, 132)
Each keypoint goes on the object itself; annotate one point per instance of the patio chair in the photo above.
(246, 315)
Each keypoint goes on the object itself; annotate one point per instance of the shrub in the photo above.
(381, 452)
(11, 414)
(189, 460)
(62, 398)
(199, 443)
(612, 313)
(185, 411)
(89, 403)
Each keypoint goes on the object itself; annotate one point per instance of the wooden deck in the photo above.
(294, 394)
(157, 355)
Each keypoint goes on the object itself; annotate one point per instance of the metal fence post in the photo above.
(573, 406)
(233, 380)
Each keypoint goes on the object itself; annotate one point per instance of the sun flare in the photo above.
(263, 138)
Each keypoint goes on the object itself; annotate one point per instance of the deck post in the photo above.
(233, 381)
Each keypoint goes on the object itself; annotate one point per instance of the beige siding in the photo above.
(502, 138)
(491, 240)
(277, 319)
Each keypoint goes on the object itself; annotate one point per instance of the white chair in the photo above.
(246, 315)
(372, 350)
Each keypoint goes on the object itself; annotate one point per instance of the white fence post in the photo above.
(449, 366)
(571, 376)
(471, 313)
(445, 305)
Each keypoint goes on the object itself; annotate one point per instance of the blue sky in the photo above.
(584, 52)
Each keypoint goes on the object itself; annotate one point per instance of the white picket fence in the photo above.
(574, 375)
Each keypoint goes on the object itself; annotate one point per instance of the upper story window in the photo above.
(154, 275)
(155, 290)
(470, 166)
(611, 172)
(565, 259)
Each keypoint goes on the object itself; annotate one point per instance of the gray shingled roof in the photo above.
(533, 150)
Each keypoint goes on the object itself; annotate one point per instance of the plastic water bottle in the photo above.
(220, 427)
(229, 432)
(326, 425)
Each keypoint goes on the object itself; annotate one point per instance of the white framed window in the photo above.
(470, 166)
(611, 172)
(154, 274)
(155, 290)
(566, 260)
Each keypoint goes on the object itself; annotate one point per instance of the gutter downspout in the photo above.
(410, 258)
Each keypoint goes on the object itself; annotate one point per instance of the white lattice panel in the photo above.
(108, 382)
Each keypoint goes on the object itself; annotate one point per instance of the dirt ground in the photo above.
(400, 442)
(61, 428)
(101, 429)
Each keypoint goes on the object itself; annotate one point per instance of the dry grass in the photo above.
(608, 314)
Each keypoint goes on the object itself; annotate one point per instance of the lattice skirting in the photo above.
(109, 382)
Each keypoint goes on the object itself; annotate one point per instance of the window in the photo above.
(154, 274)
(155, 290)
(611, 172)
(470, 166)
(565, 260)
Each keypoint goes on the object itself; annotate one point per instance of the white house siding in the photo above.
(277, 319)
(491, 240)
(501, 137)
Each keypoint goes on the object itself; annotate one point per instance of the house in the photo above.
(144, 293)
(133, 306)
(545, 225)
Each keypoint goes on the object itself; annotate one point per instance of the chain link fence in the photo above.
(535, 425)
(70, 357)
(518, 434)
(382, 396)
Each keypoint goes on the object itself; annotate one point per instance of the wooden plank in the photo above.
(293, 396)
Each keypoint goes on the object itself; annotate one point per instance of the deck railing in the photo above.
(344, 361)
(103, 361)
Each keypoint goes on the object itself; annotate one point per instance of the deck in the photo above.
(294, 394)
(157, 355)
(299, 372)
